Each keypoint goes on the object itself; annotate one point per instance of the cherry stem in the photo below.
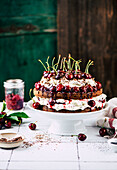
(88, 65)
(48, 63)
(43, 65)
(61, 63)
(31, 96)
(58, 61)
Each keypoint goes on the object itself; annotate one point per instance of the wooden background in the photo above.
(88, 30)
(31, 29)
(28, 31)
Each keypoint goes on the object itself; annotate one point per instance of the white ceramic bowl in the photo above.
(113, 144)
(9, 136)
(68, 123)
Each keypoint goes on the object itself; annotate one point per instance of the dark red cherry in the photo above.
(59, 87)
(1, 125)
(53, 89)
(83, 75)
(94, 88)
(20, 120)
(37, 85)
(52, 102)
(103, 132)
(69, 76)
(82, 137)
(114, 111)
(36, 105)
(50, 75)
(32, 126)
(67, 88)
(7, 124)
(75, 89)
(45, 72)
(99, 85)
(83, 89)
(91, 103)
(2, 113)
(89, 88)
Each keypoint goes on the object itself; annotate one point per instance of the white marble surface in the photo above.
(53, 152)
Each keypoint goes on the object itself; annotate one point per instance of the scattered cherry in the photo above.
(82, 137)
(7, 124)
(36, 105)
(91, 103)
(32, 126)
(103, 132)
(114, 111)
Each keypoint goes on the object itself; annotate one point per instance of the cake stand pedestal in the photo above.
(69, 127)
(68, 123)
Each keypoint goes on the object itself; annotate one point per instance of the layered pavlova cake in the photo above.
(65, 88)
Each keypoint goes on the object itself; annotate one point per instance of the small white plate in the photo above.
(10, 144)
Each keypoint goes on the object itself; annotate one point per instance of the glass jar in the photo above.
(14, 94)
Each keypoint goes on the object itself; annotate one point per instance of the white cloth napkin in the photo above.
(109, 120)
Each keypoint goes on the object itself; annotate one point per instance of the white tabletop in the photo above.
(53, 152)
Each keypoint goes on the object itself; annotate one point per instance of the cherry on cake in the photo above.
(65, 88)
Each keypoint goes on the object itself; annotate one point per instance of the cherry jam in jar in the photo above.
(14, 94)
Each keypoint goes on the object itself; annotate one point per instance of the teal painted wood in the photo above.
(14, 8)
(28, 32)
(27, 25)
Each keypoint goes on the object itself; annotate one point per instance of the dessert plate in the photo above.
(68, 123)
(10, 140)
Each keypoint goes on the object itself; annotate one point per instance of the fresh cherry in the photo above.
(82, 137)
(53, 89)
(50, 75)
(2, 113)
(103, 132)
(114, 111)
(91, 103)
(75, 89)
(67, 88)
(99, 85)
(20, 120)
(37, 85)
(51, 102)
(45, 72)
(83, 89)
(32, 126)
(36, 105)
(59, 87)
(1, 125)
(7, 124)
(77, 76)
(89, 88)
(69, 76)
(94, 88)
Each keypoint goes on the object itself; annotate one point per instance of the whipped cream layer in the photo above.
(72, 83)
(72, 104)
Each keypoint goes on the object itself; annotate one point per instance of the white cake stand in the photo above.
(68, 123)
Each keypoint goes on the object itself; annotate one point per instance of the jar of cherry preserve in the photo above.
(14, 94)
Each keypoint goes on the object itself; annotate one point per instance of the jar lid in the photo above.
(14, 83)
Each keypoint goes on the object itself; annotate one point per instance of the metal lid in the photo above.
(14, 83)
